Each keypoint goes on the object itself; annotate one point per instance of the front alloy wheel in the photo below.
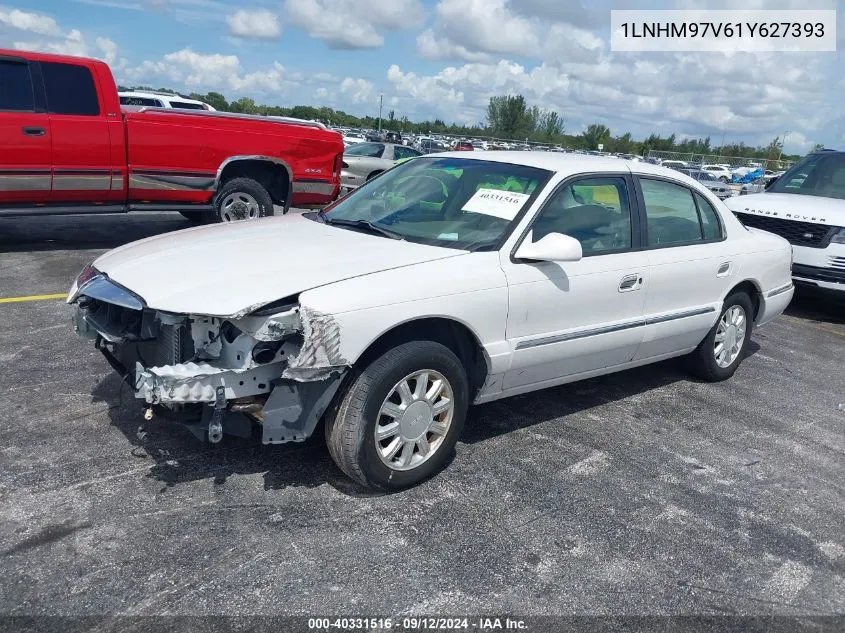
(414, 420)
(397, 419)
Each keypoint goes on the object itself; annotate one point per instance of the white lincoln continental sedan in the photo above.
(449, 280)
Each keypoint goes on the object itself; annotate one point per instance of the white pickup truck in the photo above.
(806, 205)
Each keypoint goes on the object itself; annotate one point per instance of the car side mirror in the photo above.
(553, 247)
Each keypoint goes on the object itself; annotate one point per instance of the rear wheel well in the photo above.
(375, 173)
(272, 176)
(749, 288)
(452, 334)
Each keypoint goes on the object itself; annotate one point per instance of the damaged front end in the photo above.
(275, 367)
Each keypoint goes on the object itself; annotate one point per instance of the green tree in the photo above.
(551, 125)
(216, 101)
(774, 149)
(509, 116)
(594, 134)
(244, 105)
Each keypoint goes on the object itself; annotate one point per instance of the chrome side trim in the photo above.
(82, 180)
(25, 180)
(679, 315)
(571, 336)
(170, 180)
(608, 329)
(322, 188)
(779, 291)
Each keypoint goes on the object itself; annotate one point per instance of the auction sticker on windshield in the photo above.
(501, 204)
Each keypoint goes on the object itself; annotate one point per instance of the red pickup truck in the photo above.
(68, 146)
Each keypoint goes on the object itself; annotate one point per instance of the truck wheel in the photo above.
(398, 420)
(242, 199)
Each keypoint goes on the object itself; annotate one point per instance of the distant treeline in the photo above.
(508, 117)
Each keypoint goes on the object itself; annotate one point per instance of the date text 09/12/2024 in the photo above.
(418, 624)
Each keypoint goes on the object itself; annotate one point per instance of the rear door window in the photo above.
(671, 214)
(141, 101)
(70, 89)
(710, 225)
(184, 105)
(16, 93)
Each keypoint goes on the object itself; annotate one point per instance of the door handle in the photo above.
(630, 282)
(34, 131)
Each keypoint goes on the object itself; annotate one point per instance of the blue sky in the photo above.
(445, 58)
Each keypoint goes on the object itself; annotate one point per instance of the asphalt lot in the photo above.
(640, 493)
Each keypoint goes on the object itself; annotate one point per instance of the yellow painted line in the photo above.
(32, 298)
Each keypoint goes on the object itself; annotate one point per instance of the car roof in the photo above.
(570, 164)
(157, 95)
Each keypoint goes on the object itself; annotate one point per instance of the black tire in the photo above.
(246, 186)
(724, 179)
(373, 175)
(350, 426)
(702, 362)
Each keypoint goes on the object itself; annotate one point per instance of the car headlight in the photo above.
(88, 273)
(838, 237)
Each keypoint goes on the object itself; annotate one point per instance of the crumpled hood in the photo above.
(228, 269)
(791, 206)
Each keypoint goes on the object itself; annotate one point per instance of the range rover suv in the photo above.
(806, 205)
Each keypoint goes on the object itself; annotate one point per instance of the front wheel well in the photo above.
(452, 334)
(750, 288)
(274, 177)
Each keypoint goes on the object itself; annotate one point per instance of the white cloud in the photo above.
(351, 24)
(358, 90)
(38, 32)
(481, 30)
(31, 22)
(260, 24)
(189, 70)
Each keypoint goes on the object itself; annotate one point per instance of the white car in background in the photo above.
(449, 280)
(353, 138)
(806, 205)
(364, 161)
(161, 100)
(720, 172)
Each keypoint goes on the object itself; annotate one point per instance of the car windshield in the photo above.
(372, 150)
(452, 202)
(821, 174)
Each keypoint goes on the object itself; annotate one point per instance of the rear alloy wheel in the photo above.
(242, 199)
(399, 418)
(722, 350)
